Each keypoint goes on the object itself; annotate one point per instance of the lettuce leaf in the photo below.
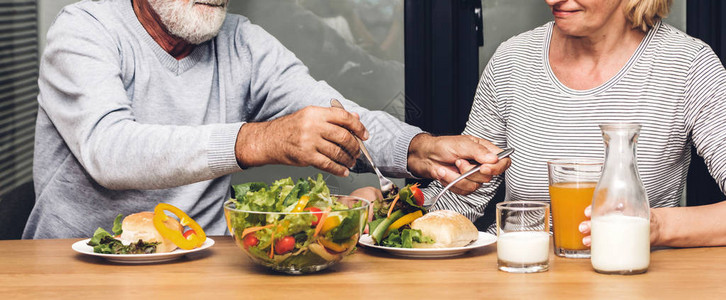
(405, 238)
(104, 242)
(241, 190)
(347, 228)
(117, 225)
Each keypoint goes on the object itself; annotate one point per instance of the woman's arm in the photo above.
(695, 226)
(485, 122)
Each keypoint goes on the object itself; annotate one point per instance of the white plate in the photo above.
(83, 248)
(484, 240)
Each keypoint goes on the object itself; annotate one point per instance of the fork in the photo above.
(387, 186)
(430, 202)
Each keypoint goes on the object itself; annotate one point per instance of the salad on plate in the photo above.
(149, 232)
(392, 218)
(400, 221)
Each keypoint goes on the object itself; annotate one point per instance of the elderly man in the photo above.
(148, 101)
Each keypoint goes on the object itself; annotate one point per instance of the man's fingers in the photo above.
(324, 163)
(342, 137)
(349, 121)
(336, 154)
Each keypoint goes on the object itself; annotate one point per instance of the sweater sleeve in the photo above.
(82, 92)
(487, 122)
(705, 111)
(282, 85)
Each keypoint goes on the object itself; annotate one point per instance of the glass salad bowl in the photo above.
(310, 235)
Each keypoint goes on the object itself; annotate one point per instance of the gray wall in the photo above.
(506, 18)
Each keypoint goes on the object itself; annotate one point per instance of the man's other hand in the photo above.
(321, 137)
(445, 158)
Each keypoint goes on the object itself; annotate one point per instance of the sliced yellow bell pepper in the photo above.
(321, 222)
(330, 223)
(406, 219)
(300, 206)
(176, 237)
(333, 245)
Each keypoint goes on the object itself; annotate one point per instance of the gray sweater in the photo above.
(122, 125)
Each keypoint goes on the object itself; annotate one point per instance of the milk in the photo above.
(620, 244)
(524, 247)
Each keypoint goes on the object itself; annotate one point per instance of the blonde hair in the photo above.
(643, 14)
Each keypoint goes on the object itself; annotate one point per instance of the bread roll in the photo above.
(140, 226)
(447, 228)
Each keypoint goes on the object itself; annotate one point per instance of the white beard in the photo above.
(193, 22)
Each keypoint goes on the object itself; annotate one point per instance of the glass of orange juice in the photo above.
(572, 183)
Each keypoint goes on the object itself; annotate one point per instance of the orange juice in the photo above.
(568, 201)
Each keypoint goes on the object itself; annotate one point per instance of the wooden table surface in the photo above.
(50, 268)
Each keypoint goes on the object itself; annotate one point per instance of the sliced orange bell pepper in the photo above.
(176, 237)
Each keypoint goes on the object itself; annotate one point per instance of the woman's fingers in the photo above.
(586, 226)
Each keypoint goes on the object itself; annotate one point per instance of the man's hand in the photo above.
(445, 158)
(313, 136)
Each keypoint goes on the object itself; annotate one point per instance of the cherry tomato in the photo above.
(189, 233)
(418, 195)
(250, 240)
(285, 245)
(317, 213)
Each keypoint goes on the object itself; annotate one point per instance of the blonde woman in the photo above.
(545, 91)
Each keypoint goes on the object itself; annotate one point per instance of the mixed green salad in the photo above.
(292, 225)
(391, 225)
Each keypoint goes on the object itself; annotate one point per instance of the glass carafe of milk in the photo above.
(620, 210)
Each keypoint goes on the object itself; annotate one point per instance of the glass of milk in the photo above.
(523, 236)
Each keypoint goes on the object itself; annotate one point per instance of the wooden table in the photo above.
(50, 268)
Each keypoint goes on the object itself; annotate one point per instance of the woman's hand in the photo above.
(586, 226)
(369, 193)
(445, 158)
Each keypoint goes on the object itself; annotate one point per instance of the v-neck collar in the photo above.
(607, 84)
(170, 62)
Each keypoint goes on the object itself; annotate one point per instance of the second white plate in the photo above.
(83, 248)
(484, 240)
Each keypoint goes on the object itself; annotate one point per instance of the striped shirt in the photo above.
(674, 85)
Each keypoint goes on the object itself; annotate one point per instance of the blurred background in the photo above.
(418, 60)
